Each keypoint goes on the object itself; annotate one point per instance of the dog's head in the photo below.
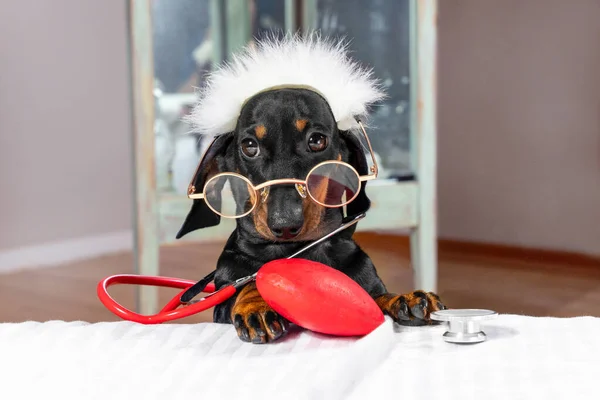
(282, 134)
(284, 108)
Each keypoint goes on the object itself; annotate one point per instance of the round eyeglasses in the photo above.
(330, 184)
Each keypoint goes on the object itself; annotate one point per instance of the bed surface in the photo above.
(523, 358)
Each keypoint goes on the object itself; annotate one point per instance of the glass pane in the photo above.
(379, 34)
(268, 18)
(183, 55)
(190, 37)
(333, 184)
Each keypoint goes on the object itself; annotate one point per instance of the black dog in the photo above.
(284, 133)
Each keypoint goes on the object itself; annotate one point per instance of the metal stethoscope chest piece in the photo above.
(464, 325)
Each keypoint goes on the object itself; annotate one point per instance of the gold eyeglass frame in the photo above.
(301, 185)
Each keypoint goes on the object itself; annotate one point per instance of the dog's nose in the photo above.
(285, 213)
(287, 232)
(286, 225)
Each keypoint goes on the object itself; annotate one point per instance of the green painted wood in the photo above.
(216, 30)
(424, 237)
(145, 205)
(237, 27)
(290, 15)
(309, 15)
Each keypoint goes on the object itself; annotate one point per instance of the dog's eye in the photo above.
(317, 142)
(250, 147)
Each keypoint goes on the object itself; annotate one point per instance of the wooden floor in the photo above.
(466, 280)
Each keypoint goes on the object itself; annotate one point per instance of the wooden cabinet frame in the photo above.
(407, 205)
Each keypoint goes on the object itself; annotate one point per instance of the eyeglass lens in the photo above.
(333, 184)
(229, 195)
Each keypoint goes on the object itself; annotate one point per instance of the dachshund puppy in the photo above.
(283, 133)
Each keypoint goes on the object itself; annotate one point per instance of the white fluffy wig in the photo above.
(310, 62)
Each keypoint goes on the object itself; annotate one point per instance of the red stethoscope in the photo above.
(172, 310)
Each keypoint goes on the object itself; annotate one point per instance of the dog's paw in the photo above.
(412, 309)
(254, 320)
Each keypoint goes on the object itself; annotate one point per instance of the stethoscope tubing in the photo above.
(170, 311)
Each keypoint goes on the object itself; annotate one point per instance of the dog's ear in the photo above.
(200, 215)
(358, 160)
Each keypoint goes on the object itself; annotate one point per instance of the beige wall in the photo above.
(519, 141)
(64, 121)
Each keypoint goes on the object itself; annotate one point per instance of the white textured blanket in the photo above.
(523, 358)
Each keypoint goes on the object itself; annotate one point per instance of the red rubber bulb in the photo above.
(318, 298)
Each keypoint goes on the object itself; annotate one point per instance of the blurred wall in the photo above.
(519, 143)
(519, 123)
(64, 121)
